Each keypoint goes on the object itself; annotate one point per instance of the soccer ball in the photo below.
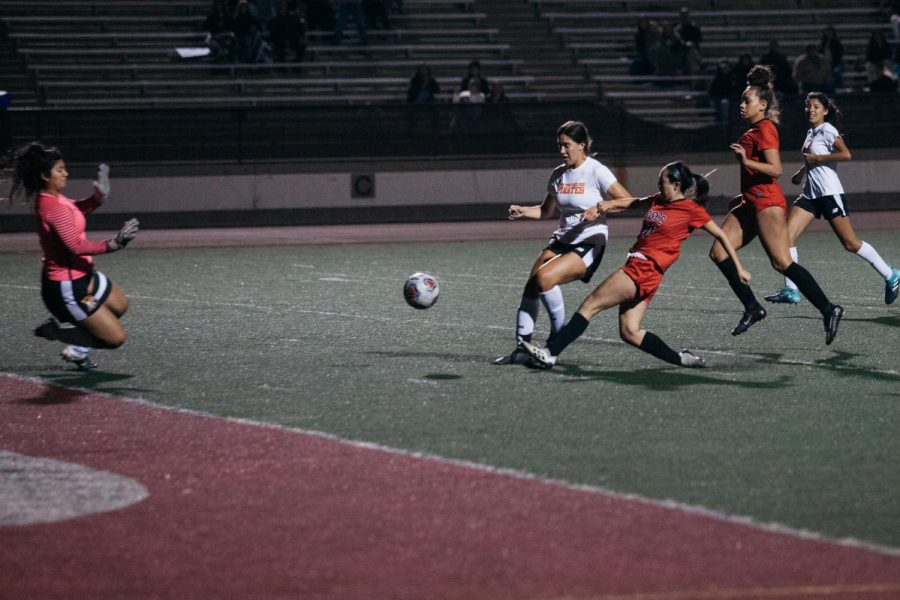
(421, 290)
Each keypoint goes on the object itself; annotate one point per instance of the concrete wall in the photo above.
(260, 188)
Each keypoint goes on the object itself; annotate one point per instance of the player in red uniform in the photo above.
(674, 213)
(761, 208)
(71, 289)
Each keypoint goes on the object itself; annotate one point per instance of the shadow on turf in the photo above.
(889, 320)
(663, 379)
(92, 380)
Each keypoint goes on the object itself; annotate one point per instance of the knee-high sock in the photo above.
(870, 255)
(568, 334)
(741, 290)
(808, 287)
(556, 308)
(787, 280)
(525, 318)
(658, 348)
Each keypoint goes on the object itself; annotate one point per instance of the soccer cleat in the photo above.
(785, 296)
(892, 287)
(81, 360)
(689, 359)
(516, 357)
(47, 329)
(832, 321)
(541, 356)
(749, 318)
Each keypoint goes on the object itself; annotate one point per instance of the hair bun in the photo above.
(761, 76)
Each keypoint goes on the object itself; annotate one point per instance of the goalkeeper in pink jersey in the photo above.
(73, 291)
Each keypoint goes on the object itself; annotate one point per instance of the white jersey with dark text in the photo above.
(576, 190)
(821, 179)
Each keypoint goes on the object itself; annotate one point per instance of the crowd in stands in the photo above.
(259, 31)
(666, 53)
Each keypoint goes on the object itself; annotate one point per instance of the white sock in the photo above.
(556, 308)
(527, 315)
(787, 280)
(82, 349)
(869, 254)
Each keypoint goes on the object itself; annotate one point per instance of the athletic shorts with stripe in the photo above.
(824, 207)
(76, 300)
(591, 255)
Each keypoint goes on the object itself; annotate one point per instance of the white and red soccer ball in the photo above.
(421, 290)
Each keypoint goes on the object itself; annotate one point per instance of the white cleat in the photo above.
(541, 357)
(691, 360)
(81, 360)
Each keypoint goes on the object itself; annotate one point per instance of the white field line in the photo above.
(507, 328)
(506, 472)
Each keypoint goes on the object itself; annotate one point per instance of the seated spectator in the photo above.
(664, 55)
(474, 77)
(833, 50)
(287, 29)
(693, 65)
(879, 55)
(643, 38)
(740, 70)
(781, 68)
(251, 47)
(468, 113)
(423, 87)
(687, 31)
(220, 35)
(812, 71)
(721, 90)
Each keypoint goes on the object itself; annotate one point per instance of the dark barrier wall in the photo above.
(389, 131)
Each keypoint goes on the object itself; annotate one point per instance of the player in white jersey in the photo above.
(823, 197)
(575, 249)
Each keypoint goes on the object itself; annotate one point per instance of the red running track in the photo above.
(242, 510)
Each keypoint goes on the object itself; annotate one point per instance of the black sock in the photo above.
(740, 289)
(808, 287)
(658, 348)
(568, 334)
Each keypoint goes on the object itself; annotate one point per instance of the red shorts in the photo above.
(645, 275)
(763, 197)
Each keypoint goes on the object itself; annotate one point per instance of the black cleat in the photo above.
(832, 321)
(749, 318)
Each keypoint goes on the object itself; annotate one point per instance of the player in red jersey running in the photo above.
(71, 289)
(674, 213)
(761, 208)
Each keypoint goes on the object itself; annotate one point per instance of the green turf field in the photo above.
(780, 428)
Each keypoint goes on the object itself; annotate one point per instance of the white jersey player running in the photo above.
(575, 249)
(823, 197)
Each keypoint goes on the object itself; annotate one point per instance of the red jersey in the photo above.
(755, 185)
(665, 226)
(61, 229)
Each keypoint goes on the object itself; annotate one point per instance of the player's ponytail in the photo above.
(762, 80)
(32, 163)
(834, 114)
(578, 132)
(693, 186)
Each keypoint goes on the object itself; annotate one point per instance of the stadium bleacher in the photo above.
(104, 52)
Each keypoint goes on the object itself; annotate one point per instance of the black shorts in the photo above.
(824, 207)
(76, 300)
(591, 255)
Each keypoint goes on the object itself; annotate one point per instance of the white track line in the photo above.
(514, 473)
